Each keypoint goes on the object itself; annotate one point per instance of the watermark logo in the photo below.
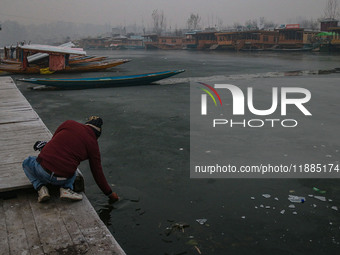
(204, 97)
(285, 98)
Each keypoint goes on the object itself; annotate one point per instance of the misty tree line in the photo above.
(194, 21)
(56, 32)
(59, 32)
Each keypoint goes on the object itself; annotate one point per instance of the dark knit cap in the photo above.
(96, 124)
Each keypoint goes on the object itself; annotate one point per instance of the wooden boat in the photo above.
(59, 60)
(82, 67)
(103, 82)
(10, 61)
(85, 59)
(94, 66)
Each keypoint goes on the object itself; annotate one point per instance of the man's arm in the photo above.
(97, 171)
(113, 197)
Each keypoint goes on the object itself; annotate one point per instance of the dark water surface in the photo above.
(145, 149)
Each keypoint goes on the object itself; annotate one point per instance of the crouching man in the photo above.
(59, 159)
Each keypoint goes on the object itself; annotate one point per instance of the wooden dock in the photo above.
(28, 227)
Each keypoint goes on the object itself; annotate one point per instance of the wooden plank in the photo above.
(22, 151)
(6, 82)
(67, 212)
(26, 136)
(97, 235)
(17, 240)
(20, 128)
(17, 105)
(10, 170)
(7, 92)
(7, 96)
(55, 227)
(32, 235)
(3, 232)
(52, 231)
(19, 115)
(32, 126)
(23, 182)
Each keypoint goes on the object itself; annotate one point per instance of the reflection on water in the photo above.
(145, 152)
(105, 213)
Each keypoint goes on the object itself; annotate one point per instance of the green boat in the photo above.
(103, 82)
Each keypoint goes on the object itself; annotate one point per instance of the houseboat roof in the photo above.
(247, 31)
(289, 29)
(150, 35)
(206, 32)
(335, 29)
(329, 20)
(171, 36)
(193, 32)
(52, 49)
(40, 55)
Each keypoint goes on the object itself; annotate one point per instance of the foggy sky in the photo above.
(176, 12)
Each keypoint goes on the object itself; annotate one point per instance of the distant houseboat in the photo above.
(163, 42)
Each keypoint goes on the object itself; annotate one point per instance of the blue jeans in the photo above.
(39, 177)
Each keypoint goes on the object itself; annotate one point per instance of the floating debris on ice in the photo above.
(201, 221)
(296, 199)
(320, 198)
(334, 208)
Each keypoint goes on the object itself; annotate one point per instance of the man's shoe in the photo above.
(70, 195)
(43, 194)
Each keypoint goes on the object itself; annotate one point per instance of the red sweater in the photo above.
(72, 143)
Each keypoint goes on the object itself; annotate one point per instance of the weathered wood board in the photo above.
(20, 127)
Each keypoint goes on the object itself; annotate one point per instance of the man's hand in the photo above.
(39, 145)
(113, 197)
